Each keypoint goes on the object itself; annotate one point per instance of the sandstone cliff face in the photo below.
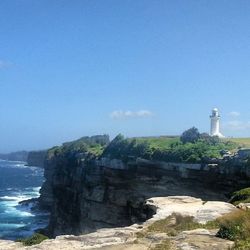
(86, 195)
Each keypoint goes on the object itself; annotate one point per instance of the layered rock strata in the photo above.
(84, 196)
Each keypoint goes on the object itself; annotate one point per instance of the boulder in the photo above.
(244, 206)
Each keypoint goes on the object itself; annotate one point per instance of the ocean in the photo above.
(17, 183)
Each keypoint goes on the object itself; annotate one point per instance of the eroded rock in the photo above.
(201, 239)
(125, 238)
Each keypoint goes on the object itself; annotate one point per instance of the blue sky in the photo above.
(137, 67)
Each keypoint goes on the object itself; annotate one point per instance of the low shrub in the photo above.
(236, 227)
(172, 225)
(240, 196)
(242, 245)
(176, 223)
(166, 149)
(33, 240)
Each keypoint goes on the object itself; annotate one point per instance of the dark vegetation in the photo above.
(191, 147)
(92, 146)
(236, 227)
(33, 240)
(242, 196)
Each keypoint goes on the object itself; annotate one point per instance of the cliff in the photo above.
(36, 158)
(86, 191)
(33, 158)
(15, 156)
(67, 156)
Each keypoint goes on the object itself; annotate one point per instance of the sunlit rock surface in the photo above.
(126, 238)
(86, 197)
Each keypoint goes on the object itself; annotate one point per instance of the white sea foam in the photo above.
(22, 165)
(11, 225)
(12, 210)
(14, 198)
(33, 189)
(18, 219)
(25, 214)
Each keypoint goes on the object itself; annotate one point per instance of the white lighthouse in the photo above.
(215, 123)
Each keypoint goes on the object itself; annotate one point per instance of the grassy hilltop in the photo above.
(190, 147)
(164, 142)
(242, 142)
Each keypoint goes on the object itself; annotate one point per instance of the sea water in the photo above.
(17, 183)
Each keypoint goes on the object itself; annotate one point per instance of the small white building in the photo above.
(215, 123)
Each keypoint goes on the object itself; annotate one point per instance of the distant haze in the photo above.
(69, 69)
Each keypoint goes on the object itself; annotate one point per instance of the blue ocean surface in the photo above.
(17, 183)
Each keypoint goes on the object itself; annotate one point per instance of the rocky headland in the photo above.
(85, 193)
(15, 156)
(106, 199)
(32, 158)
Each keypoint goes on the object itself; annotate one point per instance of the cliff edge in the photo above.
(141, 236)
(86, 189)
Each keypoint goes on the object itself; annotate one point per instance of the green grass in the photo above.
(168, 149)
(96, 150)
(33, 240)
(161, 142)
(177, 223)
(164, 142)
(242, 142)
(92, 145)
(242, 244)
(236, 227)
(174, 224)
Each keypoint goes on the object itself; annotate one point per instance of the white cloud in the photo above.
(234, 113)
(119, 114)
(238, 125)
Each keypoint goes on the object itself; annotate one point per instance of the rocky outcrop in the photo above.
(46, 198)
(86, 192)
(127, 237)
(86, 195)
(200, 210)
(33, 158)
(66, 162)
(244, 206)
(36, 158)
(201, 239)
